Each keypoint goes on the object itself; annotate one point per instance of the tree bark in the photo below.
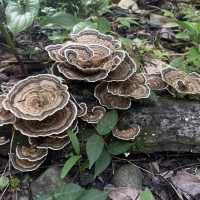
(168, 125)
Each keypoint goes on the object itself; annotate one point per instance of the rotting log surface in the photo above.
(168, 125)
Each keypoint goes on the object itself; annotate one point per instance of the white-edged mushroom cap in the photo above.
(6, 117)
(30, 153)
(109, 100)
(25, 165)
(37, 97)
(54, 124)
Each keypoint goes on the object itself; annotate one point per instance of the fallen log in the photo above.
(168, 125)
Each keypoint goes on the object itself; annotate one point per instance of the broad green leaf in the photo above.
(68, 165)
(107, 123)
(84, 24)
(18, 16)
(146, 195)
(102, 163)
(4, 181)
(75, 142)
(119, 147)
(193, 56)
(65, 20)
(67, 191)
(94, 148)
(94, 194)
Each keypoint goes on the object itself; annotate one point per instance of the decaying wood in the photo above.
(168, 125)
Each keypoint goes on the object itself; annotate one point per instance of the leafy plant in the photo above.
(73, 192)
(146, 195)
(73, 159)
(127, 21)
(4, 182)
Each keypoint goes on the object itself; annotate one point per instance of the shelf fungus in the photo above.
(91, 57)
(109, 100)
(94, 114)
(135, 87)
(49, 142)
(155, 82)
(126, 133)
(37, 97)
(6, 117)
(25, 165)
(52, 125)
(30, 153)
(4, 140)
(92, 36)
(183, 83)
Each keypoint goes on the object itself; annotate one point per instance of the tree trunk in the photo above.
(168, 125)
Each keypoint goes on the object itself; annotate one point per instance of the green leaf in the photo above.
(107, 123)
(65, 20)
(75, 142)
(119, 147)
(19, 17)
(84, 24)
(67, 191)
(102, 163)
(94, 148)
(68, 165)
(94, 194)
(103, 25)
(4, 181)
(146, 195)
(193, 56)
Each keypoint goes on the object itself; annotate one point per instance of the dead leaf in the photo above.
(123, 193)
(187, 183)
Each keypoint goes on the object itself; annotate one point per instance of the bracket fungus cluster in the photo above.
(43, 109)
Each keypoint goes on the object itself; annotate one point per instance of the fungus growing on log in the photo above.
(155, 82)
(37, 97)
(134, 87)
(52, 125)
(91, 57)
(30, 153)
(183, 83)
(94, 114)
(92, 36)
(6, 117)
(126, 133)
(49, 142)
(81, 109)
(109, 100)
(4, 140)
(25, 165)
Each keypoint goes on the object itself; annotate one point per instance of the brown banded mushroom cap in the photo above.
(92, 36)
(134, 87)
(125, 69)
(94, 114)
(25, 165)
(155, 82)
(126, 133)
(189, 85)
(49, 142)
(109, 100)
(54, 124)
(171, 75)
(81, 109)
(37, 97)
(53, 52)
(30, 153)
(73, 127)
(6, 117)
(4, 140)
(75, 74)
